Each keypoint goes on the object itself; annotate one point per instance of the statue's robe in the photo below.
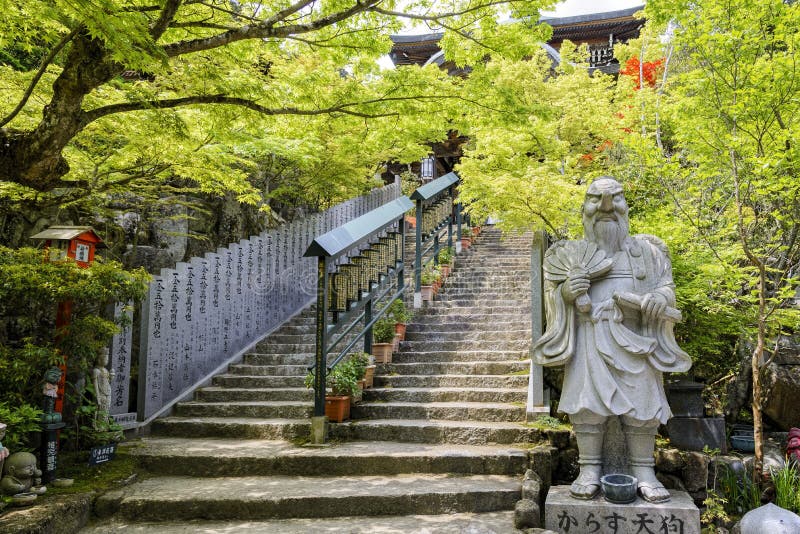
(613, 359)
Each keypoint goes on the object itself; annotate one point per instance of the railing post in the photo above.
(436, 248)
(418, 258)
(367, 320)
(450, 223)
(401, 278)
(318, 421)
(458, 228)
(536, 406)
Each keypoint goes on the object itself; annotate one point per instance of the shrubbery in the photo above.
(30, 291)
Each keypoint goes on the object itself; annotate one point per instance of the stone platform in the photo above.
(568, 515)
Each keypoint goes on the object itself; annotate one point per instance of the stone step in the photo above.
(430, 431)
(504, 343)
(452, 381)
(463, 523)
(479, 302)
(456, 325)
(185, 498)
(270, 370)
(452, 356)
(443, 411)
(485, 308)
(286, 348)
(251, 381)
(232, 427)
(221, 394)
(257, 409)
(232, 457)
(446, 335)
(445, 394)
(477, 367)
(279, 358)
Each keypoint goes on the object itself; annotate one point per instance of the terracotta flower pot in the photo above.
(465, 242)
(445, 270)
(427, 292)
(369, 376)
(337, 408)
(400, 330)
(382, 352)
(412, 221)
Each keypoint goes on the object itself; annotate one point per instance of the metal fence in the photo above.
(206, 312)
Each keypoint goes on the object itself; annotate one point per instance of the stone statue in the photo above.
(50, 392)
(19, 473)
(609, 304)
(101, 378)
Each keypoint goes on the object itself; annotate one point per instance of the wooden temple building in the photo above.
(600, 31)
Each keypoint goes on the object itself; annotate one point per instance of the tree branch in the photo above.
(264, 31)
(165, 18)
(97, 113)
(39, 73)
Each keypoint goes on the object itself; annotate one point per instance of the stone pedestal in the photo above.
(568, 515)
(48, 451)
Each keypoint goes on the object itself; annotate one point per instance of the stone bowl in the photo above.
(743, 442)
(619, 488)
(23, 499)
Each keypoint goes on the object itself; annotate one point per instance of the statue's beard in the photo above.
(609, 234)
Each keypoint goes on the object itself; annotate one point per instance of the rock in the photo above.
(781, 391)
(695, 472)
(671, 482)
(532, 486)
(769, 518)
(559, 438)
(527, 514)
(669, 460)
(788, 350)
(541, 462)
(567, 467)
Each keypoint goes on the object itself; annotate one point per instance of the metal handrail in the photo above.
(361, 292)
(428, 198)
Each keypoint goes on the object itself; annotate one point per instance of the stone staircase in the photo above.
(439, 444)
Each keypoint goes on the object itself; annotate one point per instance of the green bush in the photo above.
(23, 421)
(344, 377)
(30, 292)
(398, 312)
(383, 330)
(446, 256)
(429, 275)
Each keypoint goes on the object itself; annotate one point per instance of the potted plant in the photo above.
(368, 363)
(437, 280)
(359, 362)
(427, 278)
(341, 382)
(400, 315)
(466, 237)
(445, 261)
(382, 337)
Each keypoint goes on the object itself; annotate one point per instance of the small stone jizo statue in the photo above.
(101, 378)
(50, 392)
(20, 473)
(609, 302)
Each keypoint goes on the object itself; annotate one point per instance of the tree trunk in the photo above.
(756, 362)
(34, 158)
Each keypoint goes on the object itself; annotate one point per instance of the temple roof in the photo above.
(419, 49)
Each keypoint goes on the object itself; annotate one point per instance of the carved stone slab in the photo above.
(568, 515)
